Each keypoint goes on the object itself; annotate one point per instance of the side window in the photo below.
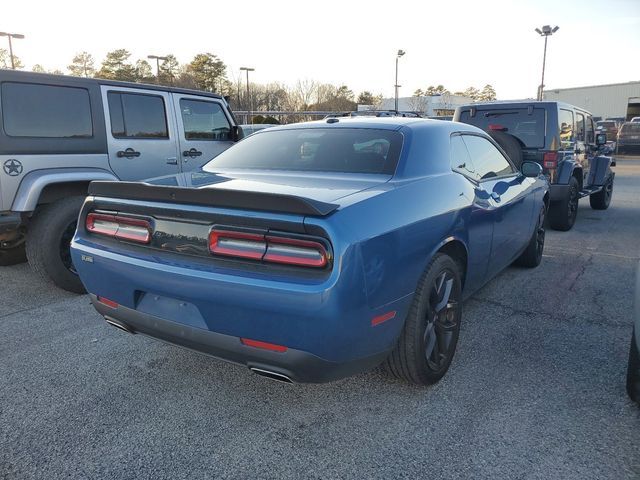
(46, 111)
(565, 119)
(590, 130)
(204, 120)
(580, 127)
(487, 159)
(460, 160)
(135, 115)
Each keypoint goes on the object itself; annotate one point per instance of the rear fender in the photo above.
(31, 186)
(566, 170)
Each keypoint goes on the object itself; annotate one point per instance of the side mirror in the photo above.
(235, 133)
(601, 139)
(531, 169)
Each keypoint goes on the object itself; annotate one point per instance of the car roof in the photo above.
(521, 103)
(33, 77)
(383, 123)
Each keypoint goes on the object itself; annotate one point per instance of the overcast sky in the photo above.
(457, 43)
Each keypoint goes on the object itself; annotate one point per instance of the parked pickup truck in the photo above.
(60, 133)
(562, 139)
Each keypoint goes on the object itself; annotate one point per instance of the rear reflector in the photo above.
(107, 302)
(269, 248)
(122, 228)
(497, 128)
(550, 160)
(382, 318)
(263, 345)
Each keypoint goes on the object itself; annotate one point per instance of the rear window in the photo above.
(528, 128)
(631, 128)
(46, 111)
(345, 150)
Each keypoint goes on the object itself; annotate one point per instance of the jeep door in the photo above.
(204, 129)
(582, 143)
(141, 134)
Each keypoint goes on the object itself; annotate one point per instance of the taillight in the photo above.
(268, 248)
(122, 228)
(550, 160)
(497, 128)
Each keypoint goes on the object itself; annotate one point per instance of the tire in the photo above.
(562, 214)
(428, 340)
(510, 145)
(602, 199)
(532, 256)
(633, 370)
(48, 242)
(12, 256)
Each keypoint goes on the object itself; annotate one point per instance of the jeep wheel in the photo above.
(428, 340)
(12, 256)
(562, 214)
(49, 241)
(510, 145)
(601, 200)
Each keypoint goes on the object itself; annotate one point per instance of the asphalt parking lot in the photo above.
(536, 389)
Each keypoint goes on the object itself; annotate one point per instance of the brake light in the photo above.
(550, 160)
(497, 128)
(107, 302)
(268, 248)
(122, 228)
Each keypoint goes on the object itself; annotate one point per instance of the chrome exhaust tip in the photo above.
(279, 377)
(121, 326)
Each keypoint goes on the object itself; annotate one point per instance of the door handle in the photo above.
(495, 196)
(192, 153)
(172, 161)
(128, 153)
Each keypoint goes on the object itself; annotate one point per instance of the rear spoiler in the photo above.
(212, 197)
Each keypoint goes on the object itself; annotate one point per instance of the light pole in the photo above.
(157, 59)
(10, 36)
(546, 32)
(248, 69)
(398, 55)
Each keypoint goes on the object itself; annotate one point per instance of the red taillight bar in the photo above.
(122, 228)
(550, 160)
(269, 248)
(107, 302)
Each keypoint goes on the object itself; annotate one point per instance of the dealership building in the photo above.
(605, 101)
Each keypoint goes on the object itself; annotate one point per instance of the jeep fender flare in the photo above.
(600, 170)
(566, 171)
(31, 186)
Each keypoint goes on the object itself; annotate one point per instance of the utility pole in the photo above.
(249, 106)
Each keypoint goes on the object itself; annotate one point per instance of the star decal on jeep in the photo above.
(12, 167)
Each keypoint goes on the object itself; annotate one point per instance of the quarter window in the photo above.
(204, 120)
(136, 115)
(46, 111)
(460, 160)
(580, 127)
(487, 159)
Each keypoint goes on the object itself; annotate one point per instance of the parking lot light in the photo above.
(157, 59)
(10, 36)
(545, 32)
(248, 69)
(398, 55)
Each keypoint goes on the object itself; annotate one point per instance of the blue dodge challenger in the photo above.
(313, 251)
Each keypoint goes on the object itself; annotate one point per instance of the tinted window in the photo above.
(528, 127)
(487, 159)
(137, 116)
(346, 150)
(565, 119)
(460, 160)
(204, 120)
(580, 127)
(630, 128)
(590, 130)
(30, 110)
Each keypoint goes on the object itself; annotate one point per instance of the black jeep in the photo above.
(560, 137)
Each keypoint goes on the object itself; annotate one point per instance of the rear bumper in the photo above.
(558, 192)
(297, 365)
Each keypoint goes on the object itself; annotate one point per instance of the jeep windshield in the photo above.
(343, 150)
(527, 127)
